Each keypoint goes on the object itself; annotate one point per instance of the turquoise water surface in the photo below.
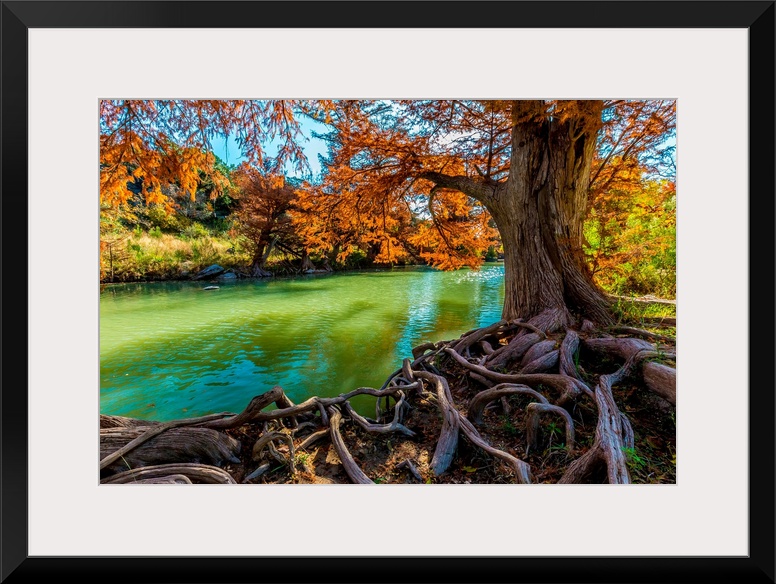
(174, 350)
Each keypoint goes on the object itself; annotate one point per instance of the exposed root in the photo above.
(568, 350)
(394, 426)
(421, 349)
(252, 414)
(253, 411)
(583, 468)
(324, 413)
(521, 469)
(107, 421)
(569, 387)
(530, 327)
(448, 440)
(200, 472)
(661, 379)
(482, 399)
(537, 351)
(658, 377)
(267, 440)
(517, 347)
(257, 473)
(303, 426)
(174, 479)
(545, 363)
(628, 436)
(477, 335)
(642, 334)
(609, 432)
(487, 348)
(175, 443)
(352, 469)
(150, 433)
(448, 437)
(313, 438)
(411, 468)
(533, 411)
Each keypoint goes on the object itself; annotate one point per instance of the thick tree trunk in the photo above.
(540, 211)
(532, 283)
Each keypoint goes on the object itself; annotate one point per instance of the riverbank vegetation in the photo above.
(576, 383)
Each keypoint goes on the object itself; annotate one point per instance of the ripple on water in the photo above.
(172, 351)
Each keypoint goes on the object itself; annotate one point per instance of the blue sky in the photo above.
(229, 151)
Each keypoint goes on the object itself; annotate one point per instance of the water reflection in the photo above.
(170, 350)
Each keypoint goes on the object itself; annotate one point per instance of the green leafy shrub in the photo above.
(195, 231)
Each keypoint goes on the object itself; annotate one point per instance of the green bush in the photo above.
(195, 231)
(203, 251)
(159, 218)
(491, 255)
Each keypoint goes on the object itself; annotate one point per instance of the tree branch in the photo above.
(477, 189)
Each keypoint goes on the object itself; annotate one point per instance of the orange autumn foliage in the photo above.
(263, 202)
(372, 194)
(169, 142)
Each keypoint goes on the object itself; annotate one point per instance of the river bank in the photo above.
(156, 256)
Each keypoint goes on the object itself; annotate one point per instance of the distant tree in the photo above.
(262, 206)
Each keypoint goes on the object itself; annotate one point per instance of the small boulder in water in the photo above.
(227, 276)
(210, 272)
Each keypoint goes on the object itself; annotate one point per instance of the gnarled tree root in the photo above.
(201, 473)
(352, 469)
(452, 422)
(613, 431)
(266, 441)
(411, 468)
(533, 412)
(661, 379)
(394, 426)
(569, 387)
(568, 350)
(150, 432)
(480, 401)
(175, 479)
(658, 377)
(312, 438)
(448, 437)
(174, 445)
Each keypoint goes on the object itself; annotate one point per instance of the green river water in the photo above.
(173, 350)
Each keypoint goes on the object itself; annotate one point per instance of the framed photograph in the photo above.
(710, 519)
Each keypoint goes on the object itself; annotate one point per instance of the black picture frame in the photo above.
(756, 16)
